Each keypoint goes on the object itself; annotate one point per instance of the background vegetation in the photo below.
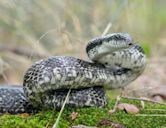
(31, 30)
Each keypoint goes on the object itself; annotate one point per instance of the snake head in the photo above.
(100, 46)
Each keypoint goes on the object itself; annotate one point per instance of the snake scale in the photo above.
(116, 62)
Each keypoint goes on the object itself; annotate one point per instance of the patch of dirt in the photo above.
(152, 83)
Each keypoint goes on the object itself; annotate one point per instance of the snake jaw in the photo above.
(108, 44)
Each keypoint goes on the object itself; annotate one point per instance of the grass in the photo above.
(23, 23)
(90, 117)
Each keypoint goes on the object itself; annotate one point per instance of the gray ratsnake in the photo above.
(116, 62)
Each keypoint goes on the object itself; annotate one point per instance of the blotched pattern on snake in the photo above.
(116, 62)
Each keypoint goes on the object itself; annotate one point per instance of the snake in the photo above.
(115, 61)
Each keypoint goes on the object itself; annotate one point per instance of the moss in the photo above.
(147, 48)
(88, 116)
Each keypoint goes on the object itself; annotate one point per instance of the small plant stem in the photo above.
(155, 110)
(150, 115)
(107, 29)
(116, 104)
(60, 113)
(143, 99)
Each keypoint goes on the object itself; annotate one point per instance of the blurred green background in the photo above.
(31, 30)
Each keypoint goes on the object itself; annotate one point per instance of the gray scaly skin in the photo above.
(117, 61)
(13, 99)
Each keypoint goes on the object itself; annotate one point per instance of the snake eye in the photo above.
(106, 63)
(130, 44)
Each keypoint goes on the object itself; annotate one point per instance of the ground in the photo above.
(91, 117)
(31, 30)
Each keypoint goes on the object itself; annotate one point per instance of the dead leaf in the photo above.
(24, 115)
(129, 108)
(106, 122)
(159, 93)
(158, 98)
(74, 115)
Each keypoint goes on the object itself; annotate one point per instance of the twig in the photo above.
(41, 37)
(116, 15)
(23, 51)
(155, 110)
(107, 29)
(5, 78)
(60, 113)
(115, 106)
(143, 99)
(133, 98)
(150, 115)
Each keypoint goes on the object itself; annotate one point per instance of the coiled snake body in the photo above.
(117, 61)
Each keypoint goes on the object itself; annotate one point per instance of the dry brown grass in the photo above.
(30, 30)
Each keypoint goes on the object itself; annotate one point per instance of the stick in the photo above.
(150, 115)
(60, 113)
(163, 110)
(23, 51)
(116, 104)
(107, 29)
(143, 99)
